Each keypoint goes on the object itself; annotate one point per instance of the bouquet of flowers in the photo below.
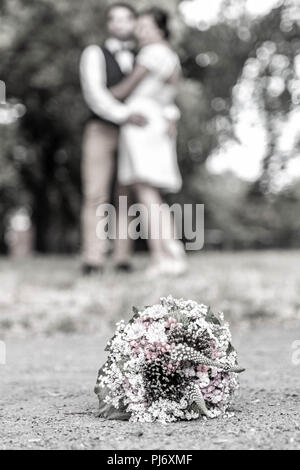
(173, 361)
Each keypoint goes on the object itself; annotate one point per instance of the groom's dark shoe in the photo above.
(88, 270)
(124, 268)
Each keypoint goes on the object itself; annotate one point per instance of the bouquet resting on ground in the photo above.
(173, 361)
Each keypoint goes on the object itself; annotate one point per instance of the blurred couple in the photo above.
(130, 85)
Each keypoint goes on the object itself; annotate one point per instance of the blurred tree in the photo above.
(41, 68)
(264, 55)
(10, 180)
(238, 64)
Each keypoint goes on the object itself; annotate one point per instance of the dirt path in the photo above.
(46, 399)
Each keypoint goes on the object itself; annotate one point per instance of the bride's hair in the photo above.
(161, 18)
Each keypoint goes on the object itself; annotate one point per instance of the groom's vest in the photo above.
(114, 76)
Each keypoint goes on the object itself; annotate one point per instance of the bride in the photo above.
(147, 155)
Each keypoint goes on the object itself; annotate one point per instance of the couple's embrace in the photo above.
(130, 85)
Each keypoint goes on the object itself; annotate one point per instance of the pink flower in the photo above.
(171, 323)
(203, 369)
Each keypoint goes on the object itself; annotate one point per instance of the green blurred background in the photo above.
(42, 122)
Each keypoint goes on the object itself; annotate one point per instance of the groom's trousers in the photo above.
(100, 147)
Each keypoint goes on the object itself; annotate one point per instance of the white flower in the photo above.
(189, 372)
(118, 343)
(156, 312)
(198, 311)
(136, 380)
(135, 331)
(203, 379)
(156, 333)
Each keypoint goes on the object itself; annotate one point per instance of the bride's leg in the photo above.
(150, 197)
(165, 249)
(171, 245)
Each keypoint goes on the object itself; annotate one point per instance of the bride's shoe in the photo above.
(175, 268)
(154, 271)
(175, 249)
(176, 265)
(168, 267)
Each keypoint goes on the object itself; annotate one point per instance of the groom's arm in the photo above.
(93, 81)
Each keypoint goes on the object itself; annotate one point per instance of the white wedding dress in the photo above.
(148, 154)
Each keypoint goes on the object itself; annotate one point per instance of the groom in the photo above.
(100, 69)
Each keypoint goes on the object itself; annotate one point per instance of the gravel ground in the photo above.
(46, 399)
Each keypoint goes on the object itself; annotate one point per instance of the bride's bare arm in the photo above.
(128, 85)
